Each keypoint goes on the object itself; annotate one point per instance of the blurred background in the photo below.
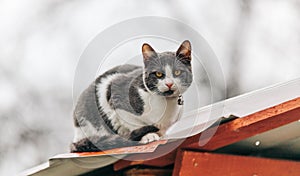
(256, 42)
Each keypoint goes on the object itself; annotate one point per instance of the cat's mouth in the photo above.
(168, 93)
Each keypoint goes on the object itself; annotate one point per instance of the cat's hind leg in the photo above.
(83, 145)
(94, 144)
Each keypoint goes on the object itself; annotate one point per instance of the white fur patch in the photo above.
(101, 93)
(168, 71)
(171, 115)
(150, 137)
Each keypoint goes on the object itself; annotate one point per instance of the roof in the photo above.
(265, 121)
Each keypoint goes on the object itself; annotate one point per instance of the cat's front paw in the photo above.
(150, 137)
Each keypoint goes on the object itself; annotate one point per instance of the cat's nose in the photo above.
(169, 85)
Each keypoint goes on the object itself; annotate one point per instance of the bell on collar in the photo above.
(180, 100)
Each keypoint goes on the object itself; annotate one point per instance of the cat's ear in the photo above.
(184, 51)
(148, 52)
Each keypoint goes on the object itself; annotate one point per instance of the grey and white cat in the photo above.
(130, 105)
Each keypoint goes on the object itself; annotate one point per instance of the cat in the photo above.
(132, 105)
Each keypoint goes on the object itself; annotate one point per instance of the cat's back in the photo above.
(115, 83)
(118, 75)
(121, 70)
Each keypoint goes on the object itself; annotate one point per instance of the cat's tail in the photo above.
(95, 144)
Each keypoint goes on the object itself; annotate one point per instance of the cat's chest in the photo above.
(157, 110)
(160, 110)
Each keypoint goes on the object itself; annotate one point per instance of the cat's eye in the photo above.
(158, 74)
(177, 72)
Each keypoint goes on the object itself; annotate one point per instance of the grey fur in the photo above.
(124, 94)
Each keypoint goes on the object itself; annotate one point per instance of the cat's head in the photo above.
(169, 73)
